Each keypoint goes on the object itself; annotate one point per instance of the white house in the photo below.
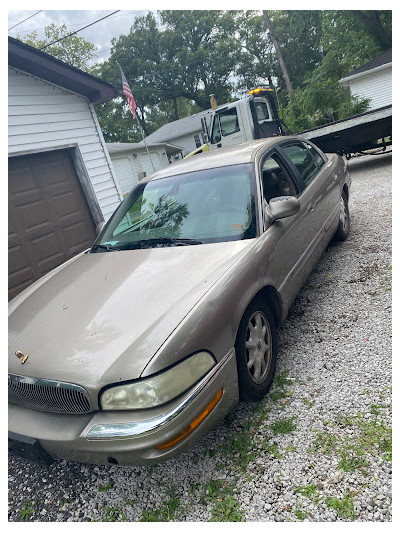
(132, 161)
(61, 182)
(372, 80)
(184, 133)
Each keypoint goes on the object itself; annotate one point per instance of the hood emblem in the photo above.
(21, 356)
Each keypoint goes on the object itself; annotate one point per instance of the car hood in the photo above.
(100, 318)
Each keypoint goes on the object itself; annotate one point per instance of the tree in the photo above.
(173, 63)
(257, 60)
(279, 55)
(378, 24)
(73, 50)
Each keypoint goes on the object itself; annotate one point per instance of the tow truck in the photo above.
(256, 116)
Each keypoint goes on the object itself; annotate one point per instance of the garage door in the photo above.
(49, 220)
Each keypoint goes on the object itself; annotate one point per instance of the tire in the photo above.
(256, 351)
(343, 229)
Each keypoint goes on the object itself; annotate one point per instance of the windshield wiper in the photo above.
(105, 247)
(171, 240)
(152, 243)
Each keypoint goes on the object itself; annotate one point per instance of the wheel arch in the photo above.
(273, 299)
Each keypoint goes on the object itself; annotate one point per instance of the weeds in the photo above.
(27, 509)
(240, 448)
(113, 514)
(106, 487)
(167, 512)
(307, 490)
(284, 425)
(226, 508)
(344, 507)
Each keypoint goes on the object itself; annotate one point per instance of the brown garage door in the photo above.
(49, 220)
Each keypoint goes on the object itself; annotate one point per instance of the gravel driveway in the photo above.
(318, 448)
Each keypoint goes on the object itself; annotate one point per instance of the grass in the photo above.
(369, 438)
(308, 403)
(27, 509)
(307, 490)
(344, 507)
(300, 514)
(281, 380)
(225, 507)
(324, 442)
(272, 449)
(283, 426)
(106, 487)
(350, 461)
(170, 510)
(113, 514)
(240, 447)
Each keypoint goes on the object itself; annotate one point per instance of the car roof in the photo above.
(230, 155)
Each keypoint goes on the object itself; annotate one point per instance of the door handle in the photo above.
(311, 208)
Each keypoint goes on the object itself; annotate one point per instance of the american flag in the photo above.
(128, 93)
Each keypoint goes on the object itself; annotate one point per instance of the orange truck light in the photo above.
(193, 425)
(259, 90)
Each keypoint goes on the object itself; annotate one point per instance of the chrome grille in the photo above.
(48, 395)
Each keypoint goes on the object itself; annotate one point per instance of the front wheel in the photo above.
(343, 229)
(256, 351)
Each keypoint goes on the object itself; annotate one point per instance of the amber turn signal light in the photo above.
(193, 425)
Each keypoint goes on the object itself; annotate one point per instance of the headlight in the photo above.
(159, 389)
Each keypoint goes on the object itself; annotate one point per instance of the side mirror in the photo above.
(99, 227)
(283, 206)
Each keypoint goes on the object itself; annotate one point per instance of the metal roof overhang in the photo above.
(46, 67)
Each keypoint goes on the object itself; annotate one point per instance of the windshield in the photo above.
(206, 206)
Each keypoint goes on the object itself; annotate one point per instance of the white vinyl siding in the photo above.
(126, 172)
(376, 85)
(150, 166)
(42, 117)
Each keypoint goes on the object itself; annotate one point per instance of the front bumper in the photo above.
(130, 438)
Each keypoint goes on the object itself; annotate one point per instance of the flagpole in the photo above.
(132, 107)
(144, 140)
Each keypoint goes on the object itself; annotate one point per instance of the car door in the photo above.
(318, 179)
(290, 239)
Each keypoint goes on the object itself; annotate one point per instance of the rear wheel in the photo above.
(344, 219)
(256, 350)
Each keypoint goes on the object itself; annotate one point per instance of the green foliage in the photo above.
(107, 486)
(226, 508)
(74, 50)
(281, 380)
(325, 442)
(344, 507)
(284, 425)
(240, 447)
(168, 511)
(307, 490)
(28, 509)
(272, 449)
(113, 514)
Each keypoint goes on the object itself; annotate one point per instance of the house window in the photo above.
(197, 140)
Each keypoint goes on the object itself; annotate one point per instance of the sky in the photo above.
(100, 34)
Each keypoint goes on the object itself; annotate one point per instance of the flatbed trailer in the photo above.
(354, 134)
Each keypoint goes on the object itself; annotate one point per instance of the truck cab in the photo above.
(253, 117)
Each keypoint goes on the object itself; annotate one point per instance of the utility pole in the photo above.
(279, 56)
